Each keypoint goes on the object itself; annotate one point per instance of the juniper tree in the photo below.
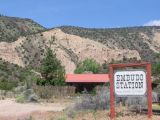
(51, 69)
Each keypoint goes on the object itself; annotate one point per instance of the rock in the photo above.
(28, 92)
(27, 96)
(33, 98)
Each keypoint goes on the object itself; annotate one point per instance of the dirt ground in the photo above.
(10, 110)
(90, 115)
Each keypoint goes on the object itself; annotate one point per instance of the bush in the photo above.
(21, 99)
(136, 103)
(156, 68)
(7, 85)
(27, 96)
(87, 65)
(19, 89)
(105, 68)
(12, 75)
(33, 98)
(40, 81)
(61, 118)
(89, 102)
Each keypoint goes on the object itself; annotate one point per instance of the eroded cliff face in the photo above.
(70, 50)
(77, 49)
(8, 52)
(143, 39)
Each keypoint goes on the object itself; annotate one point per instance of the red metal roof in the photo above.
(87, 78)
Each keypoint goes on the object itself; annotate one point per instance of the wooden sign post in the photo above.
(133, 82)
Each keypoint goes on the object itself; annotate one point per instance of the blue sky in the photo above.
(85, 13)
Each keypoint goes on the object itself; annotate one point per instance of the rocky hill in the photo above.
(12, 27)
(74, 44)
(70, 49)
(145, 40)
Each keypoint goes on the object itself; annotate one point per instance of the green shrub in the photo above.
(40, 81)
(21, 99)
(90, 102)
(87, 65)
(11, 75)
(156, 68)
(60, 118)
(27, 96)
(104, 68)
(7, 85)
(93, 92)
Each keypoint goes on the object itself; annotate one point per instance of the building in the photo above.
(86, 81)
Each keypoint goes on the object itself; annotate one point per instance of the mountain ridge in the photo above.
(75, 44)
(133, 38)
(13, 27)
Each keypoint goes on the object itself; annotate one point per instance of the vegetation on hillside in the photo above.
(132, 38)
(12, 27)
(90, 65)
(12, 75)
(31, 52)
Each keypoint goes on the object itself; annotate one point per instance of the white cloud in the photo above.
(153, 23)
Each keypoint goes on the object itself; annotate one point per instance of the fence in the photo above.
(47, 92)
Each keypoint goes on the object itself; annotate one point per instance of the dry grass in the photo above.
(156, 106)
(87, 115)
(82, 115)
(121, 113)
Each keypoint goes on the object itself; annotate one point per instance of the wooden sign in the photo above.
(125, 83)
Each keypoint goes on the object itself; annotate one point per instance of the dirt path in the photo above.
(11, 109)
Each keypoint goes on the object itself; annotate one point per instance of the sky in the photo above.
(85, 13)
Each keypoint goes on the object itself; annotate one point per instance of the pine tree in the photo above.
(52, 70)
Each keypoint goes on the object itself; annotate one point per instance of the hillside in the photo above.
(12, 27)
(146, 40)
(74, 44)
(70, 50)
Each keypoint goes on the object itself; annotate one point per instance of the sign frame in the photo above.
(147, 66)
